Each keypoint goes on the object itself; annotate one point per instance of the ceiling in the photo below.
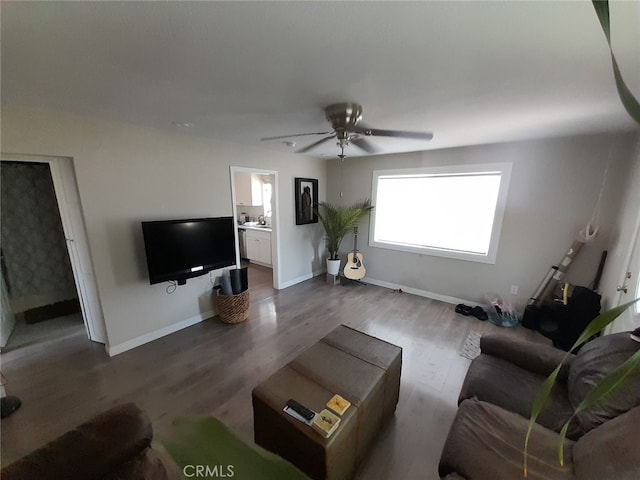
(470, 72)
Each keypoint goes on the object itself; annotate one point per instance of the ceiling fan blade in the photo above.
(364, 145)
(376, 132)
(314, 144)
(295, 135)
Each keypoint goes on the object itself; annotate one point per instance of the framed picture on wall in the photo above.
(306, 198)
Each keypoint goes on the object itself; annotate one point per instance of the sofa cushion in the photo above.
(486, 442)
(535, 357)
(502, 383)
(610, 450)
(594, 361)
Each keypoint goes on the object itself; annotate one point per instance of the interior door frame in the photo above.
(275, 218)
(620, 297)
(8, 321)
(73, 225)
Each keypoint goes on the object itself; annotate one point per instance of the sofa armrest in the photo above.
(616, 444)
(535, 357)
(92, 450)
(486, 442)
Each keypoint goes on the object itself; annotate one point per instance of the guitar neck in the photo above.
(355, 239)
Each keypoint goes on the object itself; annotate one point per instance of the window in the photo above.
(453, 211)
(266, 200)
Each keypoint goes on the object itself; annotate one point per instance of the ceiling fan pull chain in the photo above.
(341, 170)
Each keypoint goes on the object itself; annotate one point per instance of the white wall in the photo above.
(127, 174)
(554, 188)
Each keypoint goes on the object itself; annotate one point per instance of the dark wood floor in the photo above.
(211, 368)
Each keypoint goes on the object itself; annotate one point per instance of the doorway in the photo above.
(36, 270)
(47, 276)
(629, 289)
(254, 197)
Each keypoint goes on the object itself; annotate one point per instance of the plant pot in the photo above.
(333, 266)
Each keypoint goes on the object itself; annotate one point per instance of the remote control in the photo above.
(301, 410)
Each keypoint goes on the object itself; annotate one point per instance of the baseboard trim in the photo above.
(301, 279)
(113, 350)
(419, 292)
(255, 262)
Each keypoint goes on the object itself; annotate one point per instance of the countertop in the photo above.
(254, 227)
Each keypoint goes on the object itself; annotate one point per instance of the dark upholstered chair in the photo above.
(112, 445)
(508, 373)
(486, 440)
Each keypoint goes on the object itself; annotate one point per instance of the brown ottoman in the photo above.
(357, 366)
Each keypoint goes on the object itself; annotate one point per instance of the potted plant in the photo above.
(337, 221)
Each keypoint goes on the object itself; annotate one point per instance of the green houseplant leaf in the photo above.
(629, 102)
(338, 220)
(599, 393)
(538, 404)
(206, 443)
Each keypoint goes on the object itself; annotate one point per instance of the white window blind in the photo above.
(446, 211)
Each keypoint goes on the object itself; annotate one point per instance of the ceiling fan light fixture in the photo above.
(344, 118)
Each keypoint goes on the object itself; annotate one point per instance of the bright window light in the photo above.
(445, 211)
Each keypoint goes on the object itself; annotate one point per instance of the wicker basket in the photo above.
(233, 308)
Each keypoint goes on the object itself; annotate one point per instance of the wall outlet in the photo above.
(514, 289)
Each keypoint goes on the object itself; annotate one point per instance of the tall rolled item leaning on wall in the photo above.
(559, 274)
(585, 236)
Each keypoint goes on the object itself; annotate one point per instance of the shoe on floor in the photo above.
(479, 313)
(464, 309)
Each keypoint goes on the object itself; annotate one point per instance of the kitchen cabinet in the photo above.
(248, 189)
(258, 244)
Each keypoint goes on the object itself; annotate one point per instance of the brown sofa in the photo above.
(508, 373)
(114, 445)
(487, 436)
(486, 442)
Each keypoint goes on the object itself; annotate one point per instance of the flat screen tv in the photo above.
(181, 249)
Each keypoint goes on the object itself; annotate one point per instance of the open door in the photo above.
(64, 181)
(8, 320)
(629, 289)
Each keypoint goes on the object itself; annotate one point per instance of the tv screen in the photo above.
(181, 249)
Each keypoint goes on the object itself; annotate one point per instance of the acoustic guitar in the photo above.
(354, 269)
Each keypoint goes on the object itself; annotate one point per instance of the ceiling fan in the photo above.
(345, 121)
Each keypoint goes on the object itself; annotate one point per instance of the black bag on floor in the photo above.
(582, 307)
